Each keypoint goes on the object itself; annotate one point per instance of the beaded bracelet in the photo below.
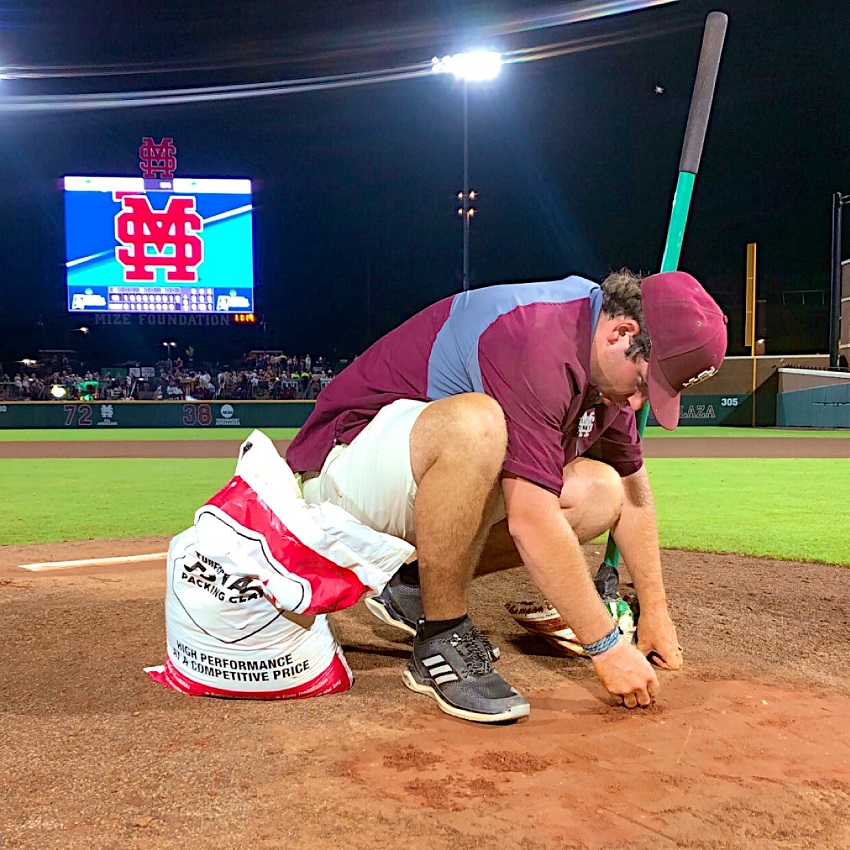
(603, 643)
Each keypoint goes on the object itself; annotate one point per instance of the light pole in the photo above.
(84, 332)
(838, 201)
(466, 211)
(474, 66)
(169, 346)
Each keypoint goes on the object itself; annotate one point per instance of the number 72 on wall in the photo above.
(82, 413)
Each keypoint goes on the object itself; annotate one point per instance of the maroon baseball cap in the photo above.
(688, 334)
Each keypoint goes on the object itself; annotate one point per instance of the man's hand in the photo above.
(626, 674)
(636, 534)
(656, 639)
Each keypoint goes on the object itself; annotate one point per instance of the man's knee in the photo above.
(610, 487)
(481, 420)
(592, 489)
(605, 482)
(468, 428)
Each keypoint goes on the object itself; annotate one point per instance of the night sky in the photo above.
(575, 156)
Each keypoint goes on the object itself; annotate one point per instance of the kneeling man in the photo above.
(501, 421)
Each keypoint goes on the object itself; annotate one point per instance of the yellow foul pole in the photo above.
(750, 323)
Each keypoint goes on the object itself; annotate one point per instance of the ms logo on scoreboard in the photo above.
(159, 239)
(158, 160)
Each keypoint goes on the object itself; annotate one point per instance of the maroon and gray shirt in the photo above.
(527, 345)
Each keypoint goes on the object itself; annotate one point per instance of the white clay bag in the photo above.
(250, 585)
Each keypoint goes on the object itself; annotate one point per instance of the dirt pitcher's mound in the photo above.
(747, 746)
(714, 762)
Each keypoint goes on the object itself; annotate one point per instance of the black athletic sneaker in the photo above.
(400, 605)
(456, 670)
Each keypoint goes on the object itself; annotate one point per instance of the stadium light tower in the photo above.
(474, 66)
(839, 200)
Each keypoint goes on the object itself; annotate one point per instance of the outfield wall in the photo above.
(702, 409)
(695, 410)
(786, 391)
(738, 374)
(787, 398)
(154, 414)
(813, 399)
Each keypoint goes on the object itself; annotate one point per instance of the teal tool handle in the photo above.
(678, 220)
(701, 101)
(669, 263)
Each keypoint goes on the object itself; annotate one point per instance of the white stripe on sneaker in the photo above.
(445, 668)
(449, 677)
(434, 659)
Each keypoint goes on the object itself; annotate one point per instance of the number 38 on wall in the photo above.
(197, 414)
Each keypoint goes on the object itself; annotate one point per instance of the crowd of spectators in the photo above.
(25, 386)
(67, 384)
(258, 375)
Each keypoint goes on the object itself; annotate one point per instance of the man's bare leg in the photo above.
(591, 499)
(457, 448)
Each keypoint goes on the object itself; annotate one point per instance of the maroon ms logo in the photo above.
(152, 239)
(158, 160)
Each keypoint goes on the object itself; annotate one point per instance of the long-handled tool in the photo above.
(607, 578)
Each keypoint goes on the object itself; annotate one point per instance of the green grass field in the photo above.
(84, 499)
(752, 433)
(138, 434)
(239, 434)
(782, 508)
(789, 508)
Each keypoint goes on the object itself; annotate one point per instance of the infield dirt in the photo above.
(653, 447)
(747, 747)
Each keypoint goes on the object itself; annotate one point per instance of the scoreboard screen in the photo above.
(136, 245)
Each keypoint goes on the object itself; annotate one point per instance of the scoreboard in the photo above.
(178, 246)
